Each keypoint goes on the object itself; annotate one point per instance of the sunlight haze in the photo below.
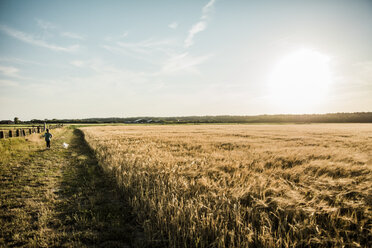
(81, 59)
(300, 81)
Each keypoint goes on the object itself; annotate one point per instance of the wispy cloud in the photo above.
(183, 62)
(197, 28)
(147, 46)
(8, 83)
(142, 55)
(11, 72)
(77, 63)
(112, 75)
(45, 25)
(151, 51)
(166, 55)
(72, 35)
(48, 26)
(34, 41)
(98, 65)
(19, 61)
(173, 25)
(201, 25)
(114, 38)
(207, 9)
(8, 70)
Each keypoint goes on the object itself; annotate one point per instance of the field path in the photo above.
(60, 197)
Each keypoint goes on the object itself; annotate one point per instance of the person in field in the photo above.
(48, 136)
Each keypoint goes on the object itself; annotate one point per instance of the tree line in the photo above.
(357, 117)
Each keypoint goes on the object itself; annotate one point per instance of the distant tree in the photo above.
(16, 120)
(36, 121)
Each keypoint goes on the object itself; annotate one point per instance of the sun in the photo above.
(299, 81)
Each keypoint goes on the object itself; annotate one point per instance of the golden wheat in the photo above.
(244, 185)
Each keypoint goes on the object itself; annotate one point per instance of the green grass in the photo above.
(60, 197)
(18, 126)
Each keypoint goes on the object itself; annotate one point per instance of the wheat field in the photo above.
(244, 185)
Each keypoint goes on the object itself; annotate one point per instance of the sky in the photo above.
(82, 59)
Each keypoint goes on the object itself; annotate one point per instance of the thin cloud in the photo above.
(19, 61)
(45, 25)
(8, 83)
(183, 62)
(93, 64)
(8, 71)
(148, 46)
(199, 26)
(173, 25)
(108, 73)
(72, 35)
(77, 63)
(162, 53)
(142, 55)
(149, 43)
(152, 51)
(37, 42)
(207, 9)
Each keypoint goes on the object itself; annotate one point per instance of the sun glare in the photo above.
(300, 81)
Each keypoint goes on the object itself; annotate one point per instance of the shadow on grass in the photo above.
(93, 211)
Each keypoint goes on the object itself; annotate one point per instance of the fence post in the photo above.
(10, 133)
(2, 135)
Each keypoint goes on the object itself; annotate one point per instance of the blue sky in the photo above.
(79, 59)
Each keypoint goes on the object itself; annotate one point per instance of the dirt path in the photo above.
(60, 197)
